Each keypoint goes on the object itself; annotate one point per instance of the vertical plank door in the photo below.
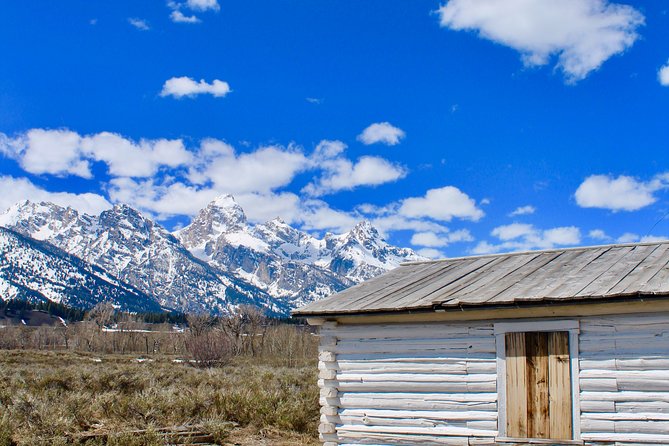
(538, 385)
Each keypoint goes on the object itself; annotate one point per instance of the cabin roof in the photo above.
(539, 277)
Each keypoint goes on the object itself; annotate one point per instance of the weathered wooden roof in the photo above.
(598, 272)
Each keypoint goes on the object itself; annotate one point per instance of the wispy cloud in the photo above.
(178, 17)
(340, 173)
(523, 237)
(523, 210)
(140, 24)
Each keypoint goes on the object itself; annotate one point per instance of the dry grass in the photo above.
(50, 398)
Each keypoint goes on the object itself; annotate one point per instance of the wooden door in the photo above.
(538, 385)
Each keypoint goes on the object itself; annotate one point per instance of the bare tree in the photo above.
(102, 314)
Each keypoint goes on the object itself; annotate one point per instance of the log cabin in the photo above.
(567, 346)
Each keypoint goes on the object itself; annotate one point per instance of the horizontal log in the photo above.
(627, 437)
(643, 364)
(625, 396)
(419, 356)
(599, 384)
(628, 416)
(637, 407)
(597, 406)
(416, 377)
(459, 367)
(416, 404)
(394, 439)
(649, 385)
(395, 331)
(625, 374)
(422, 387)
(401, 422)
(347, 429)
(432, 347)
(425, 414)
(642, 427)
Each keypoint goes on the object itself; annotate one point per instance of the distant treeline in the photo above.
(17, 307)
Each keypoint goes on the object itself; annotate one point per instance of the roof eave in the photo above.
(632, 297)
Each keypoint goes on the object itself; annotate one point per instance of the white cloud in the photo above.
(433, 240)
(381, 132)
(19, 189)
(265, 169)
(179, 17)
(599, 234)
(160, 199)
(442, 204)
(391, 221)
(512, 231)
(343, 174)
(653, 238)
(628, 237)
(663, 75)
(184, 86)
(134, 159)
(522, 237)
(431, 253)
(523, 210)
(340, 173)
(140, 24)
(328, 149)
(63, 152)
(56, 152)
(583, 34)
(427, 239)
(203, 5)
(623, 193)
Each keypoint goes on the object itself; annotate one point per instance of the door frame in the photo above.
(572, 327)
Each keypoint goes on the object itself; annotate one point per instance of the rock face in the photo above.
(217, 262)
(288, 263)
(38, 272)
(139, 252)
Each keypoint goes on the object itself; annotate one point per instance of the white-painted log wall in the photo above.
(624, 370)
(406, 384)
(435, 383)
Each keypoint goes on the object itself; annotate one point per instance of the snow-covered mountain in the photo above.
(39, 272)
(140, 252)
(217, 262)
(288, 263)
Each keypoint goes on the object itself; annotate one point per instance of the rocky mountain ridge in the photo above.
(218, 261)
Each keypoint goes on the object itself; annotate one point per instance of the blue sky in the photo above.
(457, 127)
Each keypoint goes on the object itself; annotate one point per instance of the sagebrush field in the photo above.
(259, 388)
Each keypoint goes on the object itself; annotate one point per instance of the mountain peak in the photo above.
(222, 215)
(223, 212)
(365, 230)
(224, 201)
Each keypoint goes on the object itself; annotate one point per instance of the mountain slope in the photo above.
(140, 252)
(37, 271)
(217, 262)
(288, 263)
